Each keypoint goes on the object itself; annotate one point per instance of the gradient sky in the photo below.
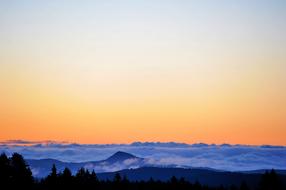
(122, 71)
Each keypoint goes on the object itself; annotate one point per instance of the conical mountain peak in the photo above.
(120, 156)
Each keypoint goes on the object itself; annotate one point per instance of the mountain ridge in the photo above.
(116, 162)
(203, 176)
(51, 143)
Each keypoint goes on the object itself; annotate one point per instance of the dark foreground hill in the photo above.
(205, 177)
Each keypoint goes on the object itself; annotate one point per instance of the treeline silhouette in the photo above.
(16, 174)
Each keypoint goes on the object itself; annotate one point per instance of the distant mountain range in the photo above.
(136, 168)
(168, 154)
(60, 144)
(118, 161)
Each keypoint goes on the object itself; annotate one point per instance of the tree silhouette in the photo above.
(21, 175)
(93, 176)
(244, 186)
(5, 170)
(54, 173)
(66, 179)
(66, 175)
(270, 181)
(117, 178)
(85, 179)
(51, 180)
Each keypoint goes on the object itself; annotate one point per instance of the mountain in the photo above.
(160, 144)
(120, 157)
(136, 168)
(118, 161)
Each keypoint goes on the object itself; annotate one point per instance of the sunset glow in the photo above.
(124, 71)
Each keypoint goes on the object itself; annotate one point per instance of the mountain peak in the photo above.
(120, 156)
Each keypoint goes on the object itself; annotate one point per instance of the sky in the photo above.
(123, 71)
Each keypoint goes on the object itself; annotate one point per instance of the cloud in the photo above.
(35, 171)
(223, 157)
(130, 161)
(107, 167)
(31, 143)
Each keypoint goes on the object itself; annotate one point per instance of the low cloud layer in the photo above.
(222, 157)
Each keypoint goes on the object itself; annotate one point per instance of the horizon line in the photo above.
(23, 142)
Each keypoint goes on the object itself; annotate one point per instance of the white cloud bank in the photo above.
(223, 157)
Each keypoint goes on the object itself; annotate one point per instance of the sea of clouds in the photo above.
(221, 157)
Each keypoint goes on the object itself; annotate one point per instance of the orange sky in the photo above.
(114, 72)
